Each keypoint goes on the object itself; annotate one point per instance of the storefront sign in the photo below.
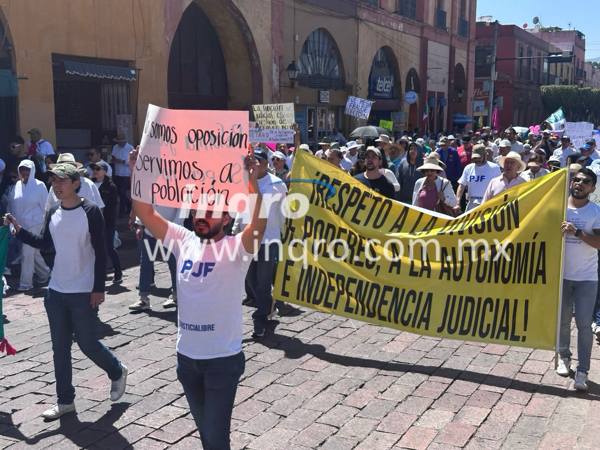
(399, 121)
(358, 107)
(274, 116)
(323, 96)
(478, 106)
(410, 97)
(381, 87)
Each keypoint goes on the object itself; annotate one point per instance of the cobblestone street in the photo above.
(316, 381)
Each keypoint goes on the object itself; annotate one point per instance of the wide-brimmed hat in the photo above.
(516, 157)
(383, 138)
(306, 148)
(66, 158)
(436, 156)
(325, 141)
(334, 146)
(352, 144)
(554, 158)
(120, 138)
(431, 163)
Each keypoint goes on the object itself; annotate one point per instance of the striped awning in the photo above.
(99, 71)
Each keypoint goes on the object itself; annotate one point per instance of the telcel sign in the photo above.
(381, 87)
(410, 97)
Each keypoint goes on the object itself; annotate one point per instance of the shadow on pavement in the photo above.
(70, 427)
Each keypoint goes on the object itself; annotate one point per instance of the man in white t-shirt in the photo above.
(476, 178)
(120, 155)
(260, 273)
(564, 151)
(210, 283)
(581, 230)
(511, 136)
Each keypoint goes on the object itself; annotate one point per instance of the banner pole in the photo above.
(562, 267)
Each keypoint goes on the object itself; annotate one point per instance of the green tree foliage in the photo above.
(578, 104)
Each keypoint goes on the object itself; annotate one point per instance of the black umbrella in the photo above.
(369, 132)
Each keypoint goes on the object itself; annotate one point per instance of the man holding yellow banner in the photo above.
(580, 275)
(491, 275)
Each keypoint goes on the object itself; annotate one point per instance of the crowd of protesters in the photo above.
(444, 173)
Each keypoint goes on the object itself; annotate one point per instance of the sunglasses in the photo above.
(582, 180)
(276, 159)
(96, 169)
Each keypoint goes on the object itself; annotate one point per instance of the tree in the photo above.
(578, 104)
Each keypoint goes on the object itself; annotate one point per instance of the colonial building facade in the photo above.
(87, 70)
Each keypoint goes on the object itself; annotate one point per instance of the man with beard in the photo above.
(476, 178)
(580, 275)
(210, 283)
(372, 177)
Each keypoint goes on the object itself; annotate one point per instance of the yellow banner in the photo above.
(492, 275)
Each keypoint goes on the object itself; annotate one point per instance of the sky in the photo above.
(552, 13)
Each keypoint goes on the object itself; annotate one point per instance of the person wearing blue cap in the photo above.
(585, 160)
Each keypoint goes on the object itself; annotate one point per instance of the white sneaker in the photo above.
(142, 304)
(117, 388)
(564, 367)
(171, 302)
(596, 330)
(580, 381)
(58, 410)
(273, 314)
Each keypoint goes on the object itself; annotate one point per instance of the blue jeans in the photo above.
(147, 265)
(596, 315)
(210, 386)
(109, 237)
(583, 295)
(258, 282)
(68, 313)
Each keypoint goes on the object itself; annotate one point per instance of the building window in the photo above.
(440, 16)
(520, 74)
(528, 74)
(320, 63)
(408, 8)
(381, 78)
(483, 60)
(538, 77)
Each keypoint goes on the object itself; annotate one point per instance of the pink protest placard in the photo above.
(191, 159)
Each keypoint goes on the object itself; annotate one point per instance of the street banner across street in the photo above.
(490, 275)
(191, 159)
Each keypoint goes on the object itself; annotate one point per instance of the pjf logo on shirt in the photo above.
(202, 269)
(477, 178)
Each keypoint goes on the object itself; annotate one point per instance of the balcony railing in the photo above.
(463, 28)
(440, 19)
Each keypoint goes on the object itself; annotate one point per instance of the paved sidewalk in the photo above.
(317, 381)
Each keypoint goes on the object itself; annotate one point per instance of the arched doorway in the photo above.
(213, 58)
(8, 91)
(413, 84)
(197, 78)
(385, 86)
(459, 97)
